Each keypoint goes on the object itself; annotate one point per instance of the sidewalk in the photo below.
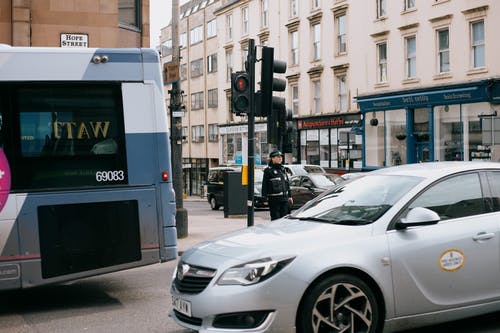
(201, 228)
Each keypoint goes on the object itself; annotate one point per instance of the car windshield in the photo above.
(361, 201)
(325, 180)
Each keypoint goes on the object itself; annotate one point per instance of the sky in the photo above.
(160, 12)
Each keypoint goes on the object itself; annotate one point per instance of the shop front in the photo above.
(333, 142)
(456, 122)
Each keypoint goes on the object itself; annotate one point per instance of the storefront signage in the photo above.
(241, 129)
(459, 95)
(74, 40)
(340, 121)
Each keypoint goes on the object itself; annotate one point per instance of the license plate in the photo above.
(181, 305)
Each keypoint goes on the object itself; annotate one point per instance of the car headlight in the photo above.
(254, 271)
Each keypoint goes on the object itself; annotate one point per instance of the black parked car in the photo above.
(307, 187)
(214, 187)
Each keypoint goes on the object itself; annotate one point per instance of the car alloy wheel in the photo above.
(339, 303)
(213, 203)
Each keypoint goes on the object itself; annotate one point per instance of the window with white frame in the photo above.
(198, 133)
(196, 35)
(341, 93)
(212, 63)
(229, 27)
(409, 4)
(244, 56)
(196, 68)
(477, 44)
(212, 98)
(264, 7)
(316, 96)
(315, 4)
(382, 62)
(229, 65)
(294, 43)
(197, 101)
(213, 132)
(411, 57)
(183, 72)
(316, 32)
(381, 9)
(294, 8)
(183, 40)
(212, 28)
(341, 33)
(184, 134)
(244, 21)
(295, 100)
(443, 37)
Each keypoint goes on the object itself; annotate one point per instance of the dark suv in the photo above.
(214, 187)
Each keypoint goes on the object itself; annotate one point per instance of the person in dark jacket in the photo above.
(276, 188)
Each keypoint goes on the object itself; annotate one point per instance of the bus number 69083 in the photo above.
(109, 176)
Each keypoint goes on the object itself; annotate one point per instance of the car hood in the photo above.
(280, 237)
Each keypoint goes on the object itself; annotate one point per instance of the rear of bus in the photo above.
(85, 170)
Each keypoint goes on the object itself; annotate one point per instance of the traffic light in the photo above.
(268, 83)
(240, 93)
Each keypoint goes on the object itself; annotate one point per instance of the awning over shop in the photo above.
(471, 92)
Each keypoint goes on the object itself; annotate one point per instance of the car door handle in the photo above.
(482, 236)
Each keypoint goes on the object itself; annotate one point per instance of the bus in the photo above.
(85, 169)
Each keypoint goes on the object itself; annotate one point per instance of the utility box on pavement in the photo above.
(235, 195)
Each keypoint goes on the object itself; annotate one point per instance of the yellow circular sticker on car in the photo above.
(451, 260)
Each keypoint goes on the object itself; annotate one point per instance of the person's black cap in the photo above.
(275, 153)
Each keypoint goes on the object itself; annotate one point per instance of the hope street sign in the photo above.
(74, 40)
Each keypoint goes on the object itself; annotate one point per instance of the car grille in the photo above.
(192, 279)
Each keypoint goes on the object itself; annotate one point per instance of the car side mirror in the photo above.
(418, 216)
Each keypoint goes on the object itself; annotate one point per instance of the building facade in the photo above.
(370, 83)
(75, 23)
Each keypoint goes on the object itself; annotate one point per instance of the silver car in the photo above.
(401, 247)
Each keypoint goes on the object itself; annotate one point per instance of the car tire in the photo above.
(354, 304)
(213, 204)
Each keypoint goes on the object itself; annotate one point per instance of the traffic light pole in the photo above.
(251, 131)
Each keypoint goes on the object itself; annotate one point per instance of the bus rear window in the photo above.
(70, 135)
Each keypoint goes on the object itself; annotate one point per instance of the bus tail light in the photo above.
(164, 175)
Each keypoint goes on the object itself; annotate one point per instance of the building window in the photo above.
(212, 98)
(197, 101)
(264, 4)
(444, 50)
(213, 132)
(316, 30)
(294, 8)
(212, 63)
(229, 27)
(382, 62)
(341, 34)
(244, 20)
(184, 134)
(409, 4)
(294, 52)
(166, 48)
(183, 40)
(477, 42)
(196, 68)
(341, 93)
(198, 133)
(381, 9)
(212, 28)
(411, 57)
(315, 4)
(229, 65)
(317, 97)
(196, 35)
(183, 72)
(129, 13)
(295, 100)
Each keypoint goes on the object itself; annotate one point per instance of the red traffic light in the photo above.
(241, 83)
